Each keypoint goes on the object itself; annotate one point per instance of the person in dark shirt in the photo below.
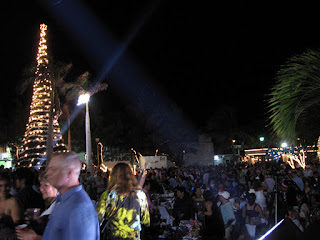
(183, 206)
(287, 197)
(214, 226)
(314, 180)
(8, 204)
(7, 228)
(28, 195)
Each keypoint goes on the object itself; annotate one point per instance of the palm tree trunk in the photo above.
(88, 140)
(49, 149)
(67, 112)
(69, 135)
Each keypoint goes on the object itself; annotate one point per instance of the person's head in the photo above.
(212, 182)
(147, 185)
(258, 171)
(293, 214)
(221, 185)
(314, 199)
(122, 179)
(228, 183)
(23, 177)
(152, 176)
(306, 182)
(251, 199)
(224, 196)
(316, 174)
(180, 192)
(5, 183)
(64, 170)
(257, 185)
(47, 190)
(198, 192)
(207, 195)
(294, 174)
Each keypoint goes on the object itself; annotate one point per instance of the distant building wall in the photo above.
(224, 159)
(203, 155)
(147, 162)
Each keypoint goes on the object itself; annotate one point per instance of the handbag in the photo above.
(104, 224)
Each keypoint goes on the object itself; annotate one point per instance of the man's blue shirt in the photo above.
(74, 217)
(299, 182)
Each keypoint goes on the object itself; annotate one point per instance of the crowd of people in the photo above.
(234, 201)
(239, 201)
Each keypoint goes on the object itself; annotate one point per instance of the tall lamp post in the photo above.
(84, 98)
(233, 152)
(261, 141)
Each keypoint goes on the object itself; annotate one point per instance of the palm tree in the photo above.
(77, 88)
(63, 93)
(296, 97)
(58, 72)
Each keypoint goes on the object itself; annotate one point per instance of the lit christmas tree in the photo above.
(33, 151)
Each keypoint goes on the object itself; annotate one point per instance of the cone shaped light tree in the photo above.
(42, 136)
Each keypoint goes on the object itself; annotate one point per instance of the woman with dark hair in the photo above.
(8, 204)
(252, 213)
(28, 195)
(214, 226)
(198, 201)
(123, 206)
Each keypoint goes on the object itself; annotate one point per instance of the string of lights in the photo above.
(33, 150)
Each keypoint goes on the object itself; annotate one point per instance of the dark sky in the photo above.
(202, 55)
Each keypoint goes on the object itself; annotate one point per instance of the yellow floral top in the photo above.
(126, 224)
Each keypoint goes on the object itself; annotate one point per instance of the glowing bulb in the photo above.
(83, 98)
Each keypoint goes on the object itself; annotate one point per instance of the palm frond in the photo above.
(296, 90)
(82, 80)
(60, 71)
(98, 88)
(27, 79)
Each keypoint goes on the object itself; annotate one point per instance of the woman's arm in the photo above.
(260, 211)
(244, 210)
(143, 178)
(101, 206)
(15, 210)
(208, 205)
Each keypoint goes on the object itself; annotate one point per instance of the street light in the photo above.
(233, 151)
(261, 141)
(284, 145)
(84, 98)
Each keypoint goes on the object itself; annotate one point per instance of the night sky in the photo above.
(203, 56)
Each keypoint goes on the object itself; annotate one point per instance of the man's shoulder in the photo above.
(226, 205)
(80, 197)
(80, 204)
